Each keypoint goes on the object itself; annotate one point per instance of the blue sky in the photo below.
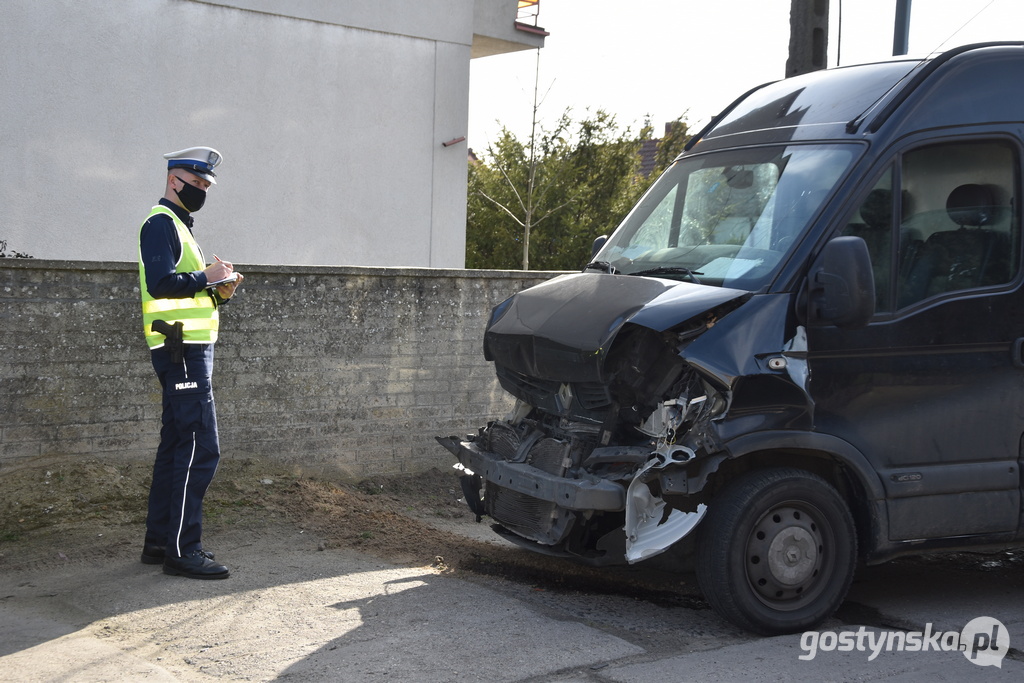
(666, 58)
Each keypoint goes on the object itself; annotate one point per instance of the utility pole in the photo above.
(808, 36)
(901, 29)
(532, 178)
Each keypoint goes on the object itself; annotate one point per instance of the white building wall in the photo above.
(330, 116)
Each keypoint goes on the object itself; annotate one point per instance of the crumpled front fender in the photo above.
(648, 531)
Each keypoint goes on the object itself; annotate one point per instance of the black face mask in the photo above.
(192, 197)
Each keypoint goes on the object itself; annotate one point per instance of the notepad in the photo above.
(218, 283)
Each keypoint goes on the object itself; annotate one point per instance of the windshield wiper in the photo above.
(601, 265)
(671, 270)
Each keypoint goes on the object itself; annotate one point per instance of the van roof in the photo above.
(971, 84)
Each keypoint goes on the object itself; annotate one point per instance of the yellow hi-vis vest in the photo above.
(198, 314)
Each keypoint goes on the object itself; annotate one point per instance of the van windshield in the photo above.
(726, 218)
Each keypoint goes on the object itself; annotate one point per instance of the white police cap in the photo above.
(197, 160)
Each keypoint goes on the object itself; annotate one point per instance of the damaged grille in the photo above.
(588, 397)
(592, 396)
(527, 386)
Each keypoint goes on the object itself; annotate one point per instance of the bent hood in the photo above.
(562, 329)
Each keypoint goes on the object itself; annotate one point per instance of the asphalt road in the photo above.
(291, 611)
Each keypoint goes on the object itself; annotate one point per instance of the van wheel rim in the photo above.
(785, 553)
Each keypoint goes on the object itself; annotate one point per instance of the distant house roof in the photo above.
(648, 150)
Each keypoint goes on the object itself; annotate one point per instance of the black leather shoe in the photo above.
(154, 554)
(195, 566)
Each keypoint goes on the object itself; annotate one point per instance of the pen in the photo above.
(217, 257)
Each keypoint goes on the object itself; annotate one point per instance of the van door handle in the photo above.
(1018, 352)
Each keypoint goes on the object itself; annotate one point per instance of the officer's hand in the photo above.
(227, 290)
(218, 270)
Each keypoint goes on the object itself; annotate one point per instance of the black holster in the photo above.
(174, 337)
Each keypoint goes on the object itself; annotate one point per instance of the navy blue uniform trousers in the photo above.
(189, 450)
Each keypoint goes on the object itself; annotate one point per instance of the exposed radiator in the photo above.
(527, 516)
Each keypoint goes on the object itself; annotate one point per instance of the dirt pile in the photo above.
(74, 510)
(55, 508)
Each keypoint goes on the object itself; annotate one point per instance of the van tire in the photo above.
(777, 551)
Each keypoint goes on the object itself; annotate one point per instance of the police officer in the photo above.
(180, 300)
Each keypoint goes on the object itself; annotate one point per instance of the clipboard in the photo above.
(218, 283)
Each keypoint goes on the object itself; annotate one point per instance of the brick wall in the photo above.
(340, 369)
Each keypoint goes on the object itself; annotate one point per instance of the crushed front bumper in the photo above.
(541, 507)
(570, 494)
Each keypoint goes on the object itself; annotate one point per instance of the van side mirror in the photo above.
(598, 243)
(841, 285)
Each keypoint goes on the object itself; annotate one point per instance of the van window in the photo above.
(727, 218)
(958, 227)
(873, 222)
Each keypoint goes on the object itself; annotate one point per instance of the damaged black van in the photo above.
(802, 349)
